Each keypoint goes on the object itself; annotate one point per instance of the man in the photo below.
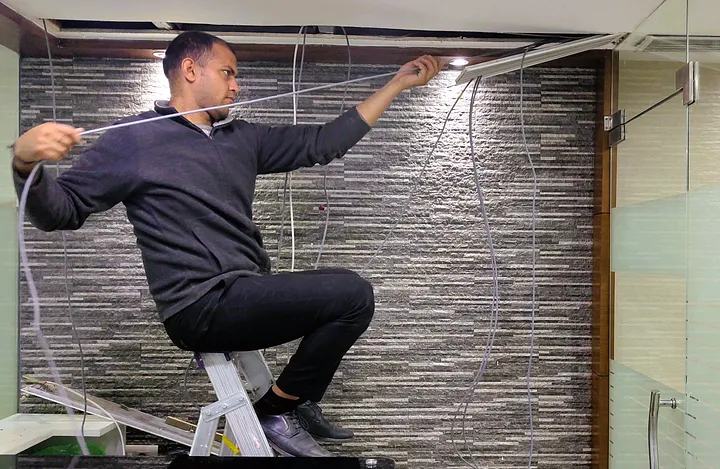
(188, 185)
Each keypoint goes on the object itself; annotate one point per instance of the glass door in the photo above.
(703, 275)
(649, 248)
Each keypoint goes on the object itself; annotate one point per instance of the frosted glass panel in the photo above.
(629, 400)
(649, 237)
(649, 326)
(703, 422)
(9, 123)
(704, 365)
(705, 129)
(704, 246)
(9, 117)
(8, 311)
(652, 162)
(703, 328)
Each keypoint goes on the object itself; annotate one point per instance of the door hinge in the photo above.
(615, 125)
(688, 80)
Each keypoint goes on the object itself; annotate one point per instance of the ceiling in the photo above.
(395, 29)
(489, 16)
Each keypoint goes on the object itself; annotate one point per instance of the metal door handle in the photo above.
(655, 404)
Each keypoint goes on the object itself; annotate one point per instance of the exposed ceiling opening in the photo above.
(147, 26)
(145, 39)
(379, 31)
(488, 16)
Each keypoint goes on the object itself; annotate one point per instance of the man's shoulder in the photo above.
(137, 117)
(245, 126)
(127, 136)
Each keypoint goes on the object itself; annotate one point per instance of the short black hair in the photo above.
(193, 44)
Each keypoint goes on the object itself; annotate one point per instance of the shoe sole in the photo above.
(331, 440)
(280, 451)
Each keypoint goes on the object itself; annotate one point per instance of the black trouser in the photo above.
(329, 308)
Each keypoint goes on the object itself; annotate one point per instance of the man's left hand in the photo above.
(427, 65)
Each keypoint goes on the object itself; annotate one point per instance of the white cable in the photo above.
(495, 288)
(64, 242)
(288, 176)
(292, 225)
(416, 183)
(86, 399)
(289, 179)
(282, 223)
(327, 167)
(534, 282)
(36, 309)
(242, 103)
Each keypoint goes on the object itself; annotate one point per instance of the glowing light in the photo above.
(459, 62)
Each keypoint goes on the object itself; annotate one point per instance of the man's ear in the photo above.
(189, 69)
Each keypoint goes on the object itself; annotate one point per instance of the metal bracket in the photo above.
(688, 80)
(223, 406)
(615, 124)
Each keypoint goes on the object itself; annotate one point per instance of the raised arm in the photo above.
(289, 147)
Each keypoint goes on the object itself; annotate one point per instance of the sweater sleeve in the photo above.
(99, 179)
(289, 147)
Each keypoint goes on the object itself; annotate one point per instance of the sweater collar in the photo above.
(163, 107)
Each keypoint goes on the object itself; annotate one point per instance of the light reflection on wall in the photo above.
(156, 87)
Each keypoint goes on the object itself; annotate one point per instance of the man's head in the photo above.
(201, 69)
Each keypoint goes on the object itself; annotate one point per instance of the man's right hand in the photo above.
(49, 141)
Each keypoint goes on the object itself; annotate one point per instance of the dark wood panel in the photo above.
(602, 149)
(601, 291)
(615, 106)
(601, 422)
(601, 295)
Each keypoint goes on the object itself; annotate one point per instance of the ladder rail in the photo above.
(248, 434)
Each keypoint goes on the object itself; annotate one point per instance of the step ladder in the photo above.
(242, 427)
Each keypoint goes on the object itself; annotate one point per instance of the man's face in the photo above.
(216, 85)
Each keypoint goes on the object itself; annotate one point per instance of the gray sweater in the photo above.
(188, 195)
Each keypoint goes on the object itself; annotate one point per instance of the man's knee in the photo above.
(341, 271)
(363, 299)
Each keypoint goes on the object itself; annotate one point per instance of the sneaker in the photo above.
(313, 419)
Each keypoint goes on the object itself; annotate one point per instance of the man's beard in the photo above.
(219, 115)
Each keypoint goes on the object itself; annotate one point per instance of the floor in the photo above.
(185, 462)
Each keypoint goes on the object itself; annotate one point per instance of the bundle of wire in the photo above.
(327, 168)
(494, 315)
(287, 186)
(495, 287)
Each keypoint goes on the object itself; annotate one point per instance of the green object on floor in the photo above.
(71, 449)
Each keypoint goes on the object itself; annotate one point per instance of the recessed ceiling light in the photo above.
(160, 54)
(459, 62)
